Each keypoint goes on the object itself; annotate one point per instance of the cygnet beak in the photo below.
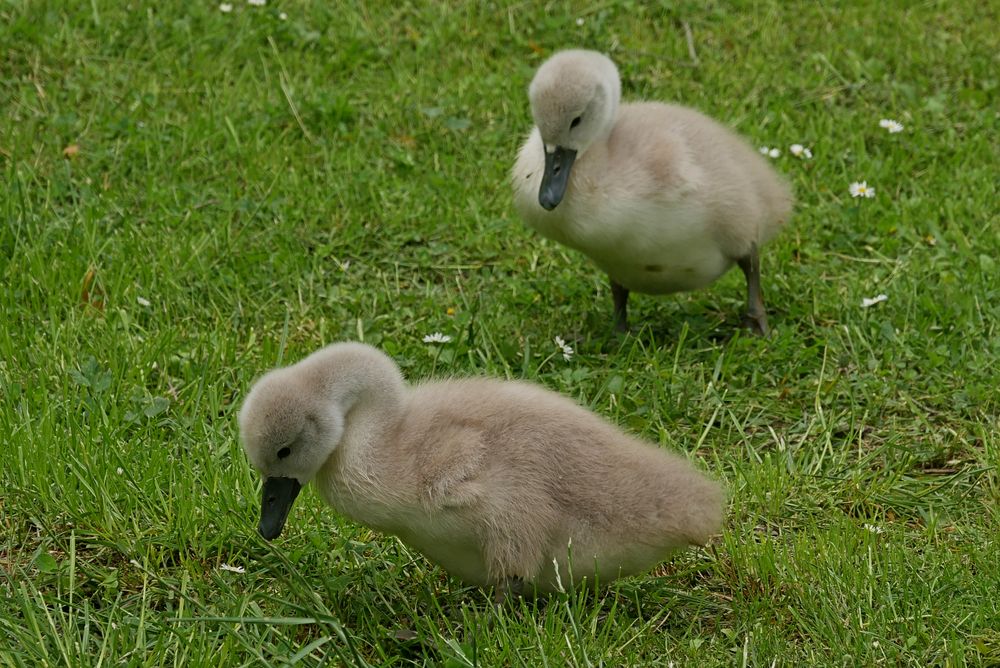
(276, 500)
(556, 177)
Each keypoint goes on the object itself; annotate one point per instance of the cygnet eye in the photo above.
(284, 452)
(575, 122)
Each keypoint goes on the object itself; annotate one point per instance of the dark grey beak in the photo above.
(556, 177)
(276, 500)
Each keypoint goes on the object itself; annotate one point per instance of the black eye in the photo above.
(576, 121)
(284, 452)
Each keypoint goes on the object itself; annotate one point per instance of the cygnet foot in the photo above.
(756, 324)
(510, 587)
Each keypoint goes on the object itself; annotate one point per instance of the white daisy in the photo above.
(774, 153)
(763, 150)
(226, 7)
(257, 3)
(567, 351)
(119, 470)
(861, 189)
(579, 21)
(284, 17)
(892, 126)
(800, 151)
(874, 529)
(232, 569)
(868, 302)
(437, 337)
(142, 301)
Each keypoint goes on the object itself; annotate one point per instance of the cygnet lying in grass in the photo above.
(499, 482)
(659, 196)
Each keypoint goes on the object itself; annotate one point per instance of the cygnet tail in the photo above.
(697, 505)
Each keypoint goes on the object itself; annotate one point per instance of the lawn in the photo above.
(192, 196)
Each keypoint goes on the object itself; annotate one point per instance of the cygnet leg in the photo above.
(620, 296)
(756, 318)
(507, 588)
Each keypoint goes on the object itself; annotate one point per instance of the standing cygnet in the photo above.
(496, 481)
(659, 196)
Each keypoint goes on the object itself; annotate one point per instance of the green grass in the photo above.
(248, 188)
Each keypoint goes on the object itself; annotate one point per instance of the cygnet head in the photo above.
(288, 435)
(294, 419)
(574, 101)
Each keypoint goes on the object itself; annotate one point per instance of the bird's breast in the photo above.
(646, 246)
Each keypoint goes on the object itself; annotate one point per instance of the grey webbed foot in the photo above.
(756, 324)
(509, 587)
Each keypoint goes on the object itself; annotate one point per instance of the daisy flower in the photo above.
(257, 3)
(579, 21)
(800, 151)
(892, 126)
(232, 569)
(142, 301)
(283, 16)
(437, 337)
(226, 7)
(567, 351)
(770, 152)
(874, 529)
(861, 189)
(868, 302)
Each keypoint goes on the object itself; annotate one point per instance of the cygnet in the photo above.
(659, 196)
(502, 483)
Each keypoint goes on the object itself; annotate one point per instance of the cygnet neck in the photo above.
(368, 422)
(609, 108)
(372, 405)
